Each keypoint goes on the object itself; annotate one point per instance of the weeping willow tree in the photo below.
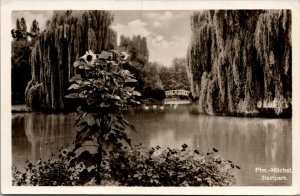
(239, 61)
(67, 35)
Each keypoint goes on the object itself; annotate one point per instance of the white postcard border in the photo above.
(8, 5)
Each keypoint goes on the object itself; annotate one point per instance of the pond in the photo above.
(252, 143)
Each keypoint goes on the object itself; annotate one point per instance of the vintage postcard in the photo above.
(150, 97)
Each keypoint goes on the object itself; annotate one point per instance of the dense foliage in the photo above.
(67, 35)
(153, 78)
(20, 58)
(139, 166)
(240, 61)
(53, 172)
(153, 88)
(20, 70)
(175, 77)
(146, 73)
(136, 47)
(169, 167)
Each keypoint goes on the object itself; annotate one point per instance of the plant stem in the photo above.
(99, 160)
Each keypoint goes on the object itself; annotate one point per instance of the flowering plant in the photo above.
(104, 90)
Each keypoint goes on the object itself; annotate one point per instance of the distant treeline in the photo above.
(153, 77)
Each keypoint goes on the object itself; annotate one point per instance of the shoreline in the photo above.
(23, 108)
(20, 108)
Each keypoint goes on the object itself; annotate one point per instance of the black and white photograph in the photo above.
(149, 98)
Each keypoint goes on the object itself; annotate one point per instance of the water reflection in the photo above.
(249, 142)
(37, 135)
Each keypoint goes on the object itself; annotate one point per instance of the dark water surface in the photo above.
(251, 143)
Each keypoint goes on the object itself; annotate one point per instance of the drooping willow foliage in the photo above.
(239, 61)
(68, 34)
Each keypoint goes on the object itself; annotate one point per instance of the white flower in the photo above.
(89, 59)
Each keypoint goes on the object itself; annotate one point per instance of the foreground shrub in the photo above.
(170, 167)
(59, 171)
(139, 166)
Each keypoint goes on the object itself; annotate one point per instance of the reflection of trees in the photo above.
(20, 145)
(146, 125)
(248, 142)
(278, 135)
(45, 132)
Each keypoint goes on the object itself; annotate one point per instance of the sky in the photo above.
(167, 32)
(40, 15)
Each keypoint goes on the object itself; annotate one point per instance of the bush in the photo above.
(170, 167)
(53, 172)
(139, 166)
